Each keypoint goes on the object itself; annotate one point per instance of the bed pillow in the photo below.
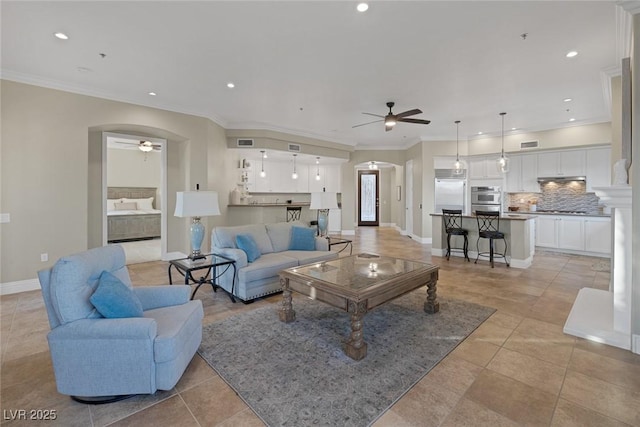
(113, 299)
(126, 206)
(111, 204)
(303, 239)
(145, 204)
(249, 246)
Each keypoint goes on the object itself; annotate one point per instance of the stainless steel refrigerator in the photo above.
(449, 191)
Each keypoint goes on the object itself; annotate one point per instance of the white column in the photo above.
(605, 316)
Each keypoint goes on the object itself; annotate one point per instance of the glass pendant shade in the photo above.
(503, 162)
(262, 172)
(458, 166)
(294, 175)
(318, 169)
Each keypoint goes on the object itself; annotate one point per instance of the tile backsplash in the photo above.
(562, 196)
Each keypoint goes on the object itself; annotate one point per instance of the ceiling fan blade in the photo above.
(418, 121)
(368, 123)
(387, 128)
(371, 114)
(409, 113)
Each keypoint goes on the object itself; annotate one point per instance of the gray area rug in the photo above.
(296, 374)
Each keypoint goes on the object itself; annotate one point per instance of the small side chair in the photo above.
(489, 228)
(452, 223)
(293, 213)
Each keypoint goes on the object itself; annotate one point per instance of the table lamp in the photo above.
(196, 204)
(323, 202)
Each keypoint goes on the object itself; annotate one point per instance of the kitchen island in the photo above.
(519, 231)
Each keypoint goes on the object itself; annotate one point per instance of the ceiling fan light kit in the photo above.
(390, 120)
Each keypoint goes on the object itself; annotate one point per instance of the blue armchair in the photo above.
(96, 358)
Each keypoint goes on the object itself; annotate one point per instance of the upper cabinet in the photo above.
(484, 168)
(523, 174)
(329, 178)
(561, 163)
(598, 168)
(278, 178)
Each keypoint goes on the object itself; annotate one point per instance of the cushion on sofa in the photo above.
(268, 265)
(310, 257)
(248, 245)
(302, 239)
(280, 234)
(225, 237)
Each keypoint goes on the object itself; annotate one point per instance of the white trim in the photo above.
(348, 232)
(635, 344)
(605, 78)
(19, 286)
(170, 256)
(422, 240)
(631, 6)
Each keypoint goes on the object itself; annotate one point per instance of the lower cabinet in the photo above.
(575, 234)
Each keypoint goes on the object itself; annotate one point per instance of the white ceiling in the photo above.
(312, 67)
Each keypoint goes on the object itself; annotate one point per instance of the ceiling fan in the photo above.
(390, 120)
(144, 146)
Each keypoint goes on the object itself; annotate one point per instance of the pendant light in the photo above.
(503, 161)
(458, 167)
(262, 172)
(318, 169)
(294, 175)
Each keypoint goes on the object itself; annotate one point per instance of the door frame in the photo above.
(408, 198)
(376, 173)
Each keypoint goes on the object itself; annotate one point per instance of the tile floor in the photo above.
(517, 368)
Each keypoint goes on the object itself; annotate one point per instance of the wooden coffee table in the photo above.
(357, 284)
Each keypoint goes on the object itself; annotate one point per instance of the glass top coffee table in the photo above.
(357, 284)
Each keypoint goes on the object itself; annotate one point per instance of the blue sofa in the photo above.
(260, 278)
(95, 357)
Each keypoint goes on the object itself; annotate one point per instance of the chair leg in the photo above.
(491, 252)
(448, 246)
(477, 250)
(505, 253)
(466, 248)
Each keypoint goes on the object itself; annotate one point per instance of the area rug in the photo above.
(296, 374)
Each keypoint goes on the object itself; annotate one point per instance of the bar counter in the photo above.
(519, 231)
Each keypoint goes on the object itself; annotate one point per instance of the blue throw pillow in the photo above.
(303, 239)
(247, 244)
(114, 299)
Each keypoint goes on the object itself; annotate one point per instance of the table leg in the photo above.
(431, 305)
(285, 312)
(355, 347)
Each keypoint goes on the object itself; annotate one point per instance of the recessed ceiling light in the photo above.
(61, 36)
(568, 99)
(362, 7)
(479, 133)
(572, 119)
(230, 85)
(572, 54)
(514, 128)
(152, 93)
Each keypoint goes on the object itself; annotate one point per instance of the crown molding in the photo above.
(632, 7)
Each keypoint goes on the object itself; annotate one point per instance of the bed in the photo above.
(131, 214)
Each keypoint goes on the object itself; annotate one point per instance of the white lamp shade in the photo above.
(324, 201)
(196, 203)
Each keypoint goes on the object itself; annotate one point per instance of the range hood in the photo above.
(561, 178)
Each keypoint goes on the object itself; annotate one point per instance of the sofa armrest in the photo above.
(162, 296)
(322, 243)
(238, 255)
(106, 329)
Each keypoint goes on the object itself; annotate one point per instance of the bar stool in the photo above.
(489, 228)
(293, 213)
(452, 223)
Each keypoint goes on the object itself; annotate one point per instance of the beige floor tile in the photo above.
(607, 369)
(541, 348)
(491, 333)
(213, 402)
(512, 399)
(608, 351)
(103, 415)
(529, 370)
(476, 352)
(197, 372)
(470, 414)
(391, 419)
(169, 412)
(570, 415)
(455, 373)
(605, 398)
(504, 320)
(246, 418)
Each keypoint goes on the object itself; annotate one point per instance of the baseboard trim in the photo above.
(348, 232)
(19, 286)
(170, 256)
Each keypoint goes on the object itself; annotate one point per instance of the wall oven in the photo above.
(486, 199)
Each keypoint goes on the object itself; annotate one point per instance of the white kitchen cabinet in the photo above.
(329, 178)
(598, 167)
(278, 178)
(523, 174)
(571, 233)
(335, 220)
(561, 163)
(597, 235)
(333, 178)
(575, 234)
(484, 167)
(547, 231)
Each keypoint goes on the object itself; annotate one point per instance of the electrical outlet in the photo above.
(5, 217)
(44, 257)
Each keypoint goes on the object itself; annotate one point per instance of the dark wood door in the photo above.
(368, 200)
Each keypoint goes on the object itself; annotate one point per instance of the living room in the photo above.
(52, 180)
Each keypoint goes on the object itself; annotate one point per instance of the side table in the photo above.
(211, 262)
(340, 241)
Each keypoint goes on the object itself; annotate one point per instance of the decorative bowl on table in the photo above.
(514, 208)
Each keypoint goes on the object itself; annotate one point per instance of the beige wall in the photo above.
(635, 177)
(133, 168)
(51, 170)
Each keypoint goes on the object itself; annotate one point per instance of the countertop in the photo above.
(272, 205)
(508, 216)
(562, 214)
